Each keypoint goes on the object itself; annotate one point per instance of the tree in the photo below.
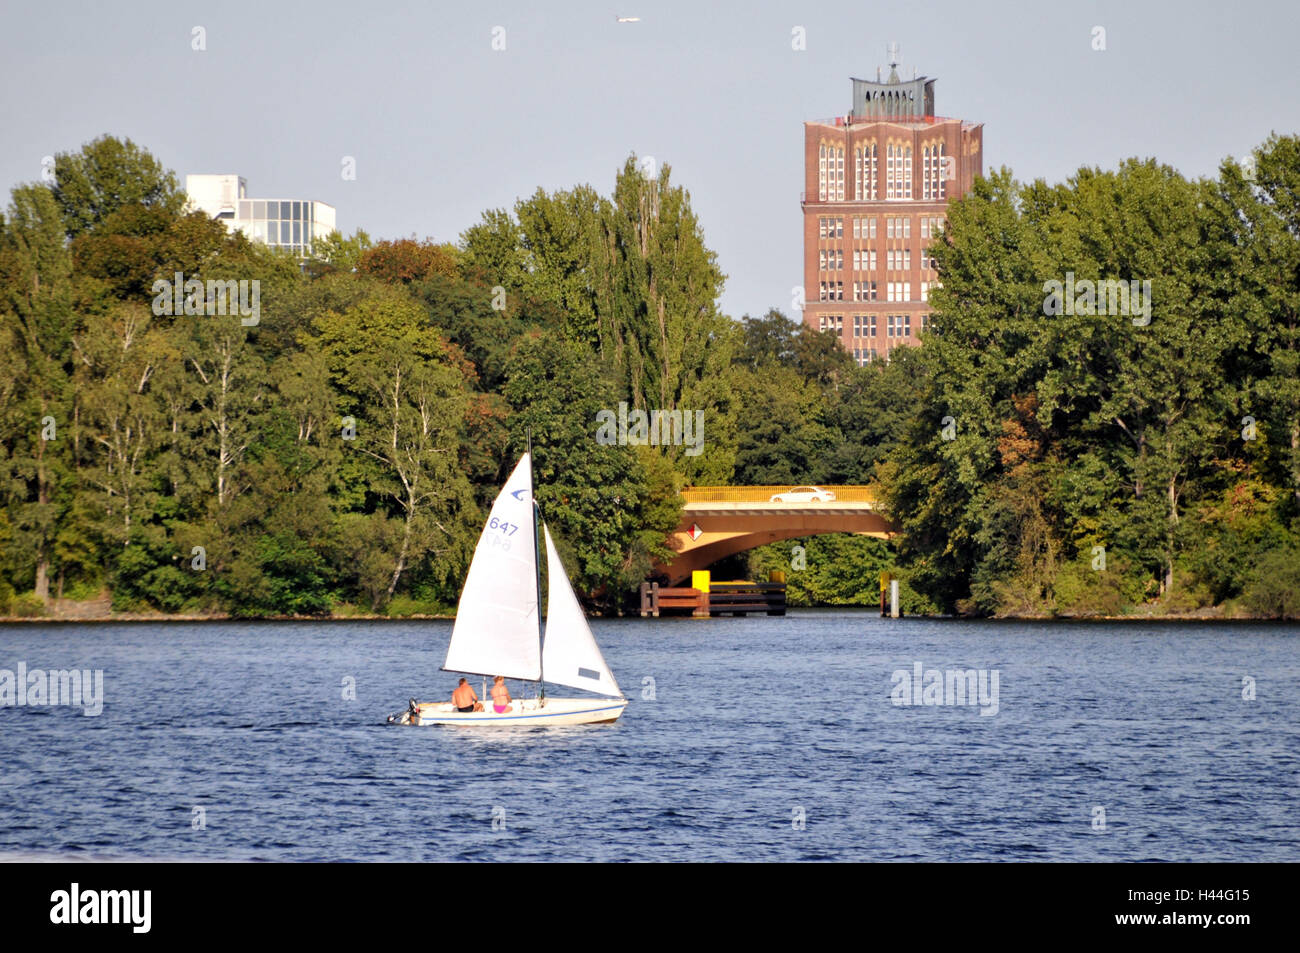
(406, 260)
(1261, 211)
(35, 276)
(336, 254)
(611, 517)
(109, 174)
(409, 404)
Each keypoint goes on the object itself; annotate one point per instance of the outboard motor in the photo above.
(409, 717)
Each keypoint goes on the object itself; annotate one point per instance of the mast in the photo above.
(537, 570)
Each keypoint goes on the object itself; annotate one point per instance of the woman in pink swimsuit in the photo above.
(500, 696)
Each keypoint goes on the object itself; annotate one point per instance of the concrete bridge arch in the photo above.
(720, 521)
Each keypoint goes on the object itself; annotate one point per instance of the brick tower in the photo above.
(877, 183)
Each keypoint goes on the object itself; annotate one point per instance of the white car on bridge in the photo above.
(803, 494)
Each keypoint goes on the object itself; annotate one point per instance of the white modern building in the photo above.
(281, 223)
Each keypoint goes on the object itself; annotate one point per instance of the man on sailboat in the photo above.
(465, 699)
(500, 696)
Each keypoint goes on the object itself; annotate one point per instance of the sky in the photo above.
(441, 126)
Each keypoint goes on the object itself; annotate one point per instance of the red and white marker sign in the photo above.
(695, 532)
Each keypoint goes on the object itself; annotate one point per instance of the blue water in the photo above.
(754, 725)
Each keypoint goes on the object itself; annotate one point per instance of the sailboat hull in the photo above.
(526, 713)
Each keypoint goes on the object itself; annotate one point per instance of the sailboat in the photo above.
(498, 629)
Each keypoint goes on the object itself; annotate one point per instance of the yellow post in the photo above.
(776, 575)
(700, 581)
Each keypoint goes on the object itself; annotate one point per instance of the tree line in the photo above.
(338, 454)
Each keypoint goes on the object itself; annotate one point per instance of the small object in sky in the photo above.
(629, 19)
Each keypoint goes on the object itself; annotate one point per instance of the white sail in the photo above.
(496, 630)
(571, 656)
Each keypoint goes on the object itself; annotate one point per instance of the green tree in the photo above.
(37, 309)
(409, 404)
(106, 175)
(609, 505)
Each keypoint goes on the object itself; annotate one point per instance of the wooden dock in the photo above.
(708, 598)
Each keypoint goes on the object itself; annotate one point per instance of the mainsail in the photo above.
(571, 656)
(496, 630)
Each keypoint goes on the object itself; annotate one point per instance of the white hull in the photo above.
(525, 713)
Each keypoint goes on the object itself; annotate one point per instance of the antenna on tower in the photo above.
(893, 61)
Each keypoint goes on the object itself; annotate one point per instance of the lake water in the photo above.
(746, 739)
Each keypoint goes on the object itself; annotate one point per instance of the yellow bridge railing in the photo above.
(762, 494)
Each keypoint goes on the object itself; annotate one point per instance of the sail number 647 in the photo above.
(507, 528)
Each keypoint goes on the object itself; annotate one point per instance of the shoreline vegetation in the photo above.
(99, 610)
(1101, 419)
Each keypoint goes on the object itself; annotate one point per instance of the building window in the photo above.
(902, 325)
(898, 172)
(898, 227)
(898, 325)
(930, 226)
(864, 325)
(830, 173)
(864, 259)
(864, 291)
(865, 157)
(898, 259)
(932, 172)
(864, 228)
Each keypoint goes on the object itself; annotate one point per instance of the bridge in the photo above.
(720, 521)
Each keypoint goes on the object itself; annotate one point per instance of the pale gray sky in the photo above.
(443, 127)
